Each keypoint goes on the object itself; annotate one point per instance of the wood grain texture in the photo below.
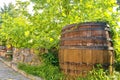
(84, 46)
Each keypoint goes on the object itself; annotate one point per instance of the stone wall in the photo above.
(2, 51)
(25, 56)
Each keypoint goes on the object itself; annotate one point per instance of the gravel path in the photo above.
(7, 73)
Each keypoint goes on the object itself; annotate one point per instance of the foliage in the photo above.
(48, 70)
(117, 64)
(43, 28)
(50, 58)
(100, 74)
(7, 9)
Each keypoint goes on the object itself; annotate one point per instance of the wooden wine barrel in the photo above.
(84, 45)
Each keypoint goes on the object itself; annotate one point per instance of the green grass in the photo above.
(47, 72)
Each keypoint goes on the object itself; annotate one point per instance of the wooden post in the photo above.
(111, 63)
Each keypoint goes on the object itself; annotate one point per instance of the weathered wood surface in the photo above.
(83, 46)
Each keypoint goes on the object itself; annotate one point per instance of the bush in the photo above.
(100, 74)
(48, 70)
(50, 58)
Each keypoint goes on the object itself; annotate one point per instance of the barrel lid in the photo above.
(104, 24)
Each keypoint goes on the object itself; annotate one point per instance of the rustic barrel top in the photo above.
(103, 24)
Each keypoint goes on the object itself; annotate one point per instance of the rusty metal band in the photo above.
(87, 47)
(87, 38)
(75, 63)
(71, 71)
(84, 63)
(87, 29)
